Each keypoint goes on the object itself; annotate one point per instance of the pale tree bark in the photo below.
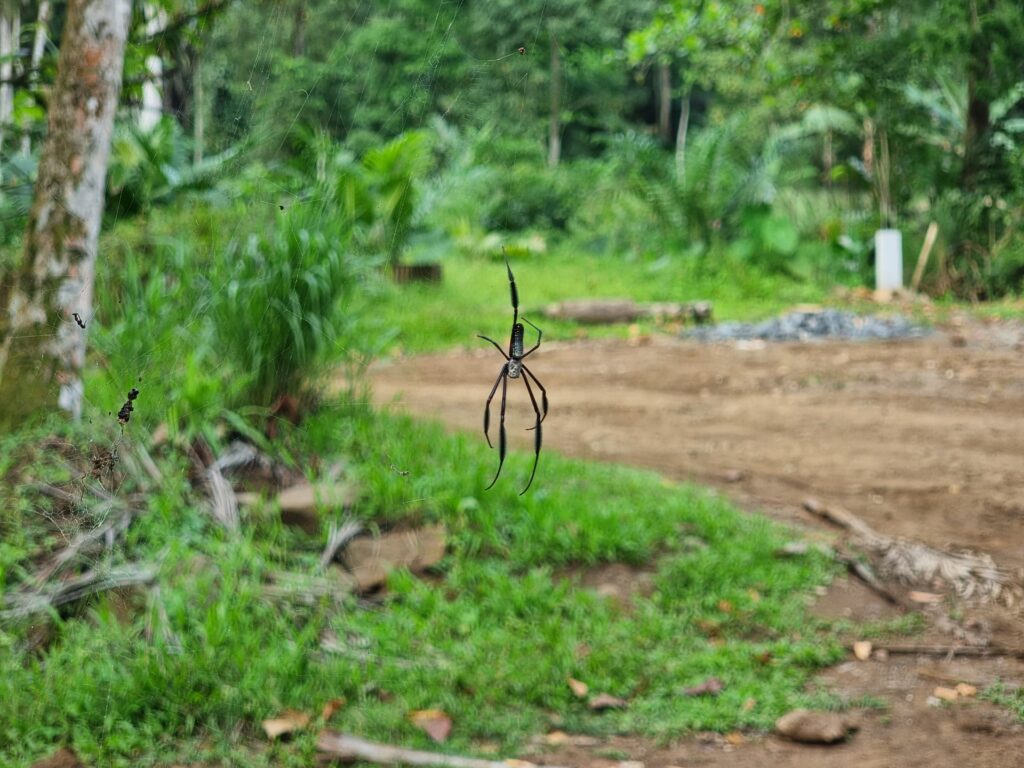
(10, 31)
(198, 116)
(38, 47)
(554, 124)
(152, 90)
(681, 131)
(42, 347)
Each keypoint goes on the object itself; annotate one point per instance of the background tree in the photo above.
(42, 347)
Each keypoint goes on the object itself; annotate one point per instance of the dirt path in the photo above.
(923, 439)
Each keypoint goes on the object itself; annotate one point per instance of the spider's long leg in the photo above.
(502, 440)
(487, 408)
(543, 393)
(540, 334)
(494, 343)
(537, 434)
(513, 290)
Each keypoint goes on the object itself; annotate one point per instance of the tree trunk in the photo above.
(153, 88)
(42, 347)
(299, 28)
(198, 116)
(555, 127)
(977, 127)
(681, 130)
(665, 102)
(38, 47)
(886, 211)
(10, 30)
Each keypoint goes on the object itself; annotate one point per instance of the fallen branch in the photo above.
(223, 502)
(351, 748)
(912, 562)
(950, 651)
(868, 578)
(308, 589)
(28, 602)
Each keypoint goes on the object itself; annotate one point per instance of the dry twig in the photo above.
(351, 748)
(29, 601)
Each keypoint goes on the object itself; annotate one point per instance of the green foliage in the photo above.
(150, 166)
(17, 177)
(474, 295)
(282, 309)
(188, 674)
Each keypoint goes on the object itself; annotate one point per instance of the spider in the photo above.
(514, 368)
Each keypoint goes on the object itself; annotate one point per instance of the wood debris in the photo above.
(348, 748)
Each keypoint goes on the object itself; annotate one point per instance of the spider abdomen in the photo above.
(516, 345)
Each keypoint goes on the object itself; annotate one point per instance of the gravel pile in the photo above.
(816, 324)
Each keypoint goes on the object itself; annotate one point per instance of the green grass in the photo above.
(1011, 697)
(491, 641)
(474, 297)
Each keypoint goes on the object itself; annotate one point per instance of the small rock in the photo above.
(807, 727)
(631, 764)
(862, 650)
(966, 690)
(881, 654)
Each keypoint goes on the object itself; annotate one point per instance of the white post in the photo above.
(888, 260)
(152, 89)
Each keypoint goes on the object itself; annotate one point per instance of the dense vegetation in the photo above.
(781, 135)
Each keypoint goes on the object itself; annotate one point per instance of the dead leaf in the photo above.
(749, 704)
(946, 694)
(331, 707)
(289, 721)
(556, 738)
(924, 597)
(862, 650)
(433, 722)
(966, 690)
(578, 687)
(710, 687)
(604, 701)
(725, 606)
(735, 738)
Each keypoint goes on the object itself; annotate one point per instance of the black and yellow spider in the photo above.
(515, 368)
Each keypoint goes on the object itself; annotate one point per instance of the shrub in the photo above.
(281, 312)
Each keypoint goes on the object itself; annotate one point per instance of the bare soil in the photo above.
(922, 439)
